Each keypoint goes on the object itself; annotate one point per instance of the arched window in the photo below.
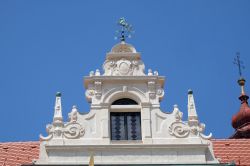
(125, 101)
(125, 120)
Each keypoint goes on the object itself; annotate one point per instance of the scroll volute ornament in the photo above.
(69, 130)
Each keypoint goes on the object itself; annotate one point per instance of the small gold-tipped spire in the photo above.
(91, 160)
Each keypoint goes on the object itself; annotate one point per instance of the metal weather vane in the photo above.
(125, 30)
(239, 63)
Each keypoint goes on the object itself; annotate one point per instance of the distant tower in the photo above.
(241, 120)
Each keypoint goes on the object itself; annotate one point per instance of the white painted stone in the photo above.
(58, 110)
(192, 114)
(166, 138)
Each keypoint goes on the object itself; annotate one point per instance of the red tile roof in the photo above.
(227, 150)
(18, 153)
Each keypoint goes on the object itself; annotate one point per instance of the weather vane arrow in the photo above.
(125, 30)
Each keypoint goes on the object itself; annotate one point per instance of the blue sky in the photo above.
(48, 46)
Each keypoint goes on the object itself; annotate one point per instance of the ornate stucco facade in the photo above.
(165, 137)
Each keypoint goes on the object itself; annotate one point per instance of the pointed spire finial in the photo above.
(125, 30)
(58, 119)
(192, 114)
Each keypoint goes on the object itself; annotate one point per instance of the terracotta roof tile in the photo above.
(18, 153)
(227, 150)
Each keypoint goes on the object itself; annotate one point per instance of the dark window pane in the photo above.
(125, 101)
(134, 126)
(117, 126)
(125, 125)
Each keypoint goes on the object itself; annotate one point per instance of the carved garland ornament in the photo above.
(155, 89)
(90, 93)
(94, 90)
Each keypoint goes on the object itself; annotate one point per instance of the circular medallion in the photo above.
(124, 68)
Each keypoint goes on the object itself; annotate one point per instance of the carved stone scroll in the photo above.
(179, 130)
(73, 130)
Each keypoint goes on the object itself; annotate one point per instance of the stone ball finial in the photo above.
(190, 91)
(97, 72)
(241, 81)
(91, 73)
(150, 73)
(58, 94)
(156, 73)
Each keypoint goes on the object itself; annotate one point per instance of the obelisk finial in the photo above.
(58, 119)
(125, 30)
(192, 114)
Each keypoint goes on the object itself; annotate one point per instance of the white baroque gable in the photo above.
(165, 137)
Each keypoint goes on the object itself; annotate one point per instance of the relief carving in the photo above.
(98, 89)
(179, 130)
(90, 92)
(73, 130)
(151, 89)
(70, 130)
(94, 90)
(123, 67)
(160, 92)
(73, 114)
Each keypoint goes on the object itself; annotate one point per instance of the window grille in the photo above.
(125, 125)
